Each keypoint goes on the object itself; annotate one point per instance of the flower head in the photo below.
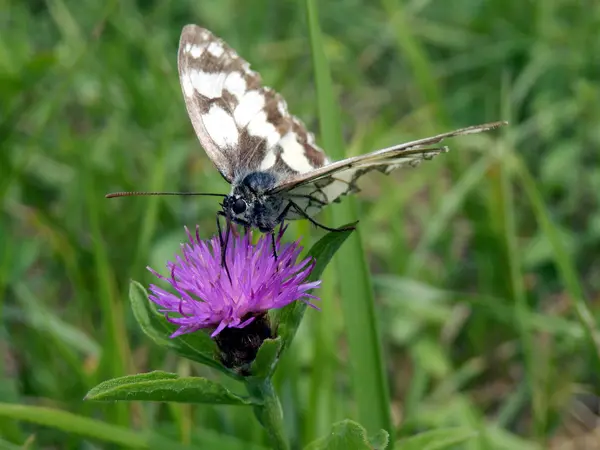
(206, 297)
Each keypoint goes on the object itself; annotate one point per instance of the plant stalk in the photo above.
(269, 414)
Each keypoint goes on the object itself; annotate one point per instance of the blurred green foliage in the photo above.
(484, 261)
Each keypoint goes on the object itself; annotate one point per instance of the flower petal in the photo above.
(205, 297)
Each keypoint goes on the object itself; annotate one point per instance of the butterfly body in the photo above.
(250, 204)
(272, 161)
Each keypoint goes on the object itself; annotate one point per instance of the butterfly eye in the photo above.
(239, 206)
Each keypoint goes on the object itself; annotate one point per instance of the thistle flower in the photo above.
(207, 298)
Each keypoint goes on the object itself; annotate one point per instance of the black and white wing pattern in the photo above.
(317, 188)
(243, 126)
(246, 127)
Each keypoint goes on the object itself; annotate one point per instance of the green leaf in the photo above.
(380, 440)
(198, 347)
(6, 445)
(289, 317)
(72, 424)
(161, 386)
(266, 358)
(437, 439)
(349, 435)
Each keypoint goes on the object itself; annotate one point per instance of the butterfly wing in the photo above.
(242, 125)
(317, 188)
(245, 127)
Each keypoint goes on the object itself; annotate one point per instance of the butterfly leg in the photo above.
(223, 242)
(319, 225)
(274, 245)
(280, 220)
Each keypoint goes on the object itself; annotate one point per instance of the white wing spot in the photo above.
(260, 126)
(221, 127)
(216, 49)
(268, 161)
(208, 84)
(293, 154)
(250, 105)
(236, 84)
(187, 47)
(338, 186)
(195, 51)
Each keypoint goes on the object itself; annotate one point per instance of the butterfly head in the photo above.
(250, 204)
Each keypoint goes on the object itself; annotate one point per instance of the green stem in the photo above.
(269, 414)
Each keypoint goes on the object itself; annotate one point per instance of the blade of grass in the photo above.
(323, 383)
(453, 200)
(116, 349)
(9, 428)
(565, 266)
(366, 365)
(287, 378)
(150, 220)
(424, 76)
(521, 308)
(321, 398)
(69, 342)
(418, 61)
(73, 423)
(95, 429)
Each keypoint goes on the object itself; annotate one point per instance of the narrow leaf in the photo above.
(348, 435)
(565, 264)
(72, 424)
(367, 371)
(166, 387)
(322, 251)
(437, 439)
(266, 358)
(6, 445)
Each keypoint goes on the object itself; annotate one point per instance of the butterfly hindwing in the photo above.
(242, 125)
(315, 189)
(312, 195)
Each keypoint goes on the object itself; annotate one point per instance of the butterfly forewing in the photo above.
(243, 126)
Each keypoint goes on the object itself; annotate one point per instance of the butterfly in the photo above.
(275, 168)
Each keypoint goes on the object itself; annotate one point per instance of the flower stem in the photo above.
(269, 414)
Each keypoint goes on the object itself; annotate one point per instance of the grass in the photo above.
(367, 373)
(482, 263)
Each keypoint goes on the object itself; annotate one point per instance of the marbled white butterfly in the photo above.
(276, 170)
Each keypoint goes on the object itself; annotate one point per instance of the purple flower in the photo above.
(205, 296)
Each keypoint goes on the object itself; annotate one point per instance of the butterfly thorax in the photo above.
(249, 203)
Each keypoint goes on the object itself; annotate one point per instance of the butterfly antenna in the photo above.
(139, 194)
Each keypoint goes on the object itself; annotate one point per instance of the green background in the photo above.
(483, 262)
